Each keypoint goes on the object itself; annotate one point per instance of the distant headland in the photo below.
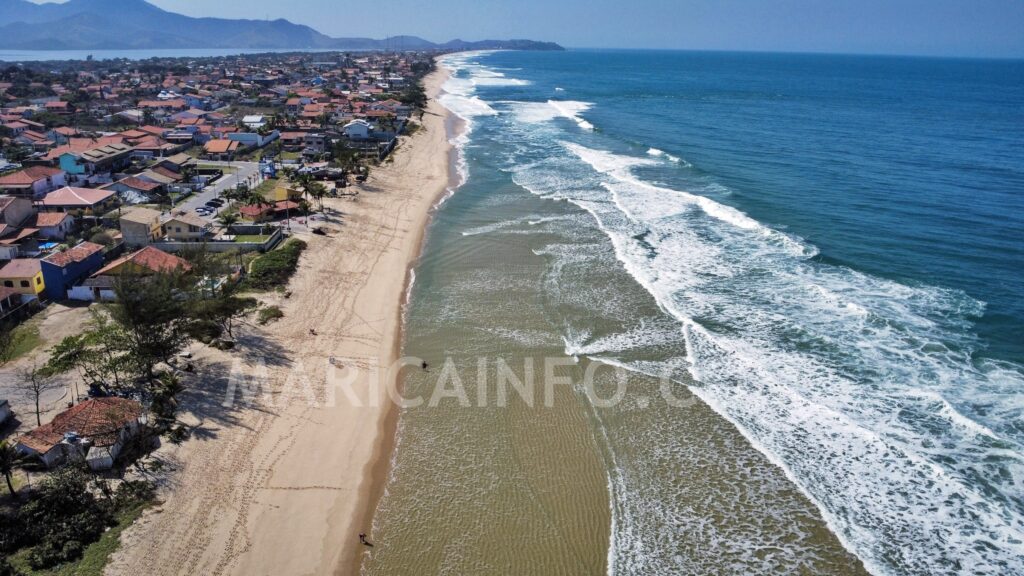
(137, 24)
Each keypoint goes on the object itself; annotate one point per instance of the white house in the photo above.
(255, 121)
(96, 431)
(357, 129)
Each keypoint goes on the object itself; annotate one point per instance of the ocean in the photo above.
(807, 269)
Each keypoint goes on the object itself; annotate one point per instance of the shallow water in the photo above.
(737, 228)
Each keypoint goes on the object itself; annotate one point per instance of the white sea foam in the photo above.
(537, 112)
(662, 154)
(864, 391)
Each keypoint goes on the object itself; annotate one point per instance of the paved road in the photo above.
(247, 172)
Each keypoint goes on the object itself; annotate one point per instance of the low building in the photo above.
(32, 182)
(15, 211)
(140, 226)
(134, 190)
(63, 270)
(357, 130)
(80, 200)
(23, 275)
(96, 431)
(53, 225)
(220, 149)
(109, 158)
(186, 227)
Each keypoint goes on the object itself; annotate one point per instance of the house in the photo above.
(268, 211)
(14, 212)
(62, 270)
(60, 107)
(357, 129)
(96, 430)
(23, 275)
(68, 199)
(134, 190)
(53, 225)
(10, 300)
(32, 182)
(187, 227)
(140, 226)
(255, 121)
(144, 262)
(109, 158)
(220, 149)
(253, 139)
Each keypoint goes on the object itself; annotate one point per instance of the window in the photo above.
(39, 280)
(24, 284)
(9, 283)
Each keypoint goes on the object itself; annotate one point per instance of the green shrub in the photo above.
(269, 314)
(275, 267)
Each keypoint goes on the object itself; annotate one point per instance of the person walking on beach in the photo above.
(363, 540)
(425, 365)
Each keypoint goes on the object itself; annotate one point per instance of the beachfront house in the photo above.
(145, 262)
(140, 226)
(95, 431)
(63, 270)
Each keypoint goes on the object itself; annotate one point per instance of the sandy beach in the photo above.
(283, 485)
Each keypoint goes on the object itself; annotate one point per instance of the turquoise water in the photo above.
(827, 250)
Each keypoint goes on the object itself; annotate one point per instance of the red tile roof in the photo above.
(150, 258)
(98, 419)
(76, 254)
(138, 184)
(76, 197)
(220, 146)
(29, 175)
(44, 219)
(20, 268)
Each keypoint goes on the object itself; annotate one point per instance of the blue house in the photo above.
(62, 270)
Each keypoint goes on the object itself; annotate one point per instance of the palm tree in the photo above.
(317, 191)
(228, 218)
(9, 460)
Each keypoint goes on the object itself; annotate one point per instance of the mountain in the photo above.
(137, 24)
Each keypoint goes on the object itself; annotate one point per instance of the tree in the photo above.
(225, 307)
(317, 191)
(99, 354)
(8, 341)
(35, 382)
(151, 312)
(9, 460)
(228, 218)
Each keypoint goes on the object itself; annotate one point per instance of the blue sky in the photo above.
(936, 27)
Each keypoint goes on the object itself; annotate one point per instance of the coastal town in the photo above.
(152, 215)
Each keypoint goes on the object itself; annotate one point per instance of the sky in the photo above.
(987, 28)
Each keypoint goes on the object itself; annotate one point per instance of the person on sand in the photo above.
(363, 540)
(425, 365)
(312, 332)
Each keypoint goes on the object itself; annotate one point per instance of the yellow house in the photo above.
(187, 228)
(140, 226)
(282, 193)
(25, 275)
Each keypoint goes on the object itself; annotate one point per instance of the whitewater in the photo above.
(867, 392)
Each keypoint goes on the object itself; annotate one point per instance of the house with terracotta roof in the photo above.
(144, 262)
(23, 275)
(108, 158)
(223, 149)
(63, 270)
(32, 182)
(68, 199)
(134, 190)
(52, 225)
(96, 431)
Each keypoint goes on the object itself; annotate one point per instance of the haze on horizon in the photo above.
(991, 28)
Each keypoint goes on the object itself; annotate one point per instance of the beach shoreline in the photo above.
(285, 487)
